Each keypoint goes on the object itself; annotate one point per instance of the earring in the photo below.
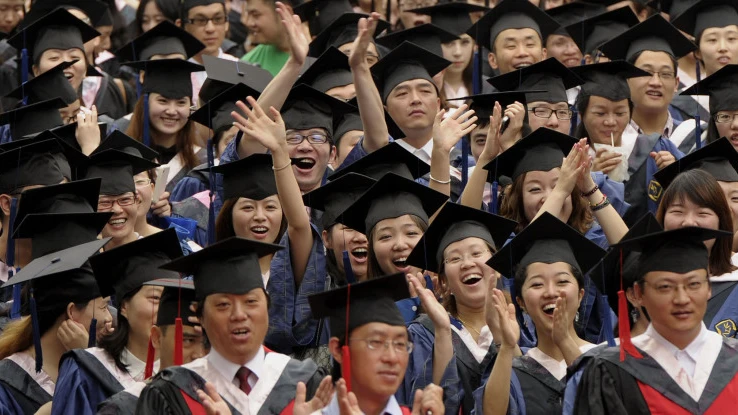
(634, 315)
(576, 317)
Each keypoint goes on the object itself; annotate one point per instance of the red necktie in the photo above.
(243, 378)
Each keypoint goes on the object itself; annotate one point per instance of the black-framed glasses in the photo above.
(544, 112)
(107, 204)
(663, 75)
(203, 21)
(315, 138)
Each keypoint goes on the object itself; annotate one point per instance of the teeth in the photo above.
(240, 331)
(471, 277)
(260, 229)
(360, 251)
(117, 221)
(549, 307)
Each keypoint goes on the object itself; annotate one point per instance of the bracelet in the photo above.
(604, 197)
(439, 181)
(283, 167)
(602, 205)
(591, 192)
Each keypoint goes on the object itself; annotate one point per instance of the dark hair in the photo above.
(169, 8)
(115, 343)
(700, 188)
(184, 12)
(712, 131)
(581, 105)
(121, 30)
(373, 269)
(331, 262)
(224, 222)
(674, 63)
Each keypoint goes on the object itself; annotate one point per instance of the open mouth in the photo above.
(68, 75)
(260, 230)
(305, 163)
(400, 262)
(360, 253)
(549, 309)
(471, 279)
(117, 222)
(240, 334)
(654, 94)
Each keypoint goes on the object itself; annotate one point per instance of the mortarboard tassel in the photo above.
(389, 16)
(139, 88)
(92, 340)
(36, 334)
(178, 339)
(146, 122)
(348, 270)
(493, 198)
(211, 179)
(465, 161)
(345, 352)
(698, 127)
(10, 261)
(24, 65)
(374, 7)
(150, 356)
(626, 345)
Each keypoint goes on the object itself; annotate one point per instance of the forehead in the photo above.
(380, 329)
(517, 35)
(535, 104)
(544, 269)
(537, 175)
(654, 58)
(472, 242)
(256, 4)
(414, 83)
(595, 100)
(208, 10)
(674, 276)
(720, 30)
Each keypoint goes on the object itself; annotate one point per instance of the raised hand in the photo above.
(502, 315)
(606, 161)
(585, 182)
(516, 113)
(434, 309)
(299, 40)
(561, 321)
(571, 169)
(449, 130)
(366, 28)
(73, 335)
(428, 401)
(268, 130)
(162, 207)
(321, 399)
(211, 401)
(492, 145)
(347, 402)
(87, 132)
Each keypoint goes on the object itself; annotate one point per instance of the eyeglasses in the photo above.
(456, 259)
(142, 182)
(668, 288)
(723, 118)
(399, 346)
(665, 75)
(121, 201)
(203, 21)
(544, 112)
(296, 138)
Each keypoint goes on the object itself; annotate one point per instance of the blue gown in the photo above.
(19, 393)
(83, 383)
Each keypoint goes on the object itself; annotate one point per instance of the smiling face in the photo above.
(684, 213)
(515, 49)
(652, 94)
(50, 58)
(236, 324)
(263, 22)
(123, 221)
(564, 49)
(258, 220)
(168, 116)
(718, 47)
(552, 122)
(606, 120)
(340, 238)
(413, 105)
(728, 129)
(211, 34)
(544, 283)
(467, 274)
(730, 189)
(537, 185)
(311, 159)
(392, 241)
(459, 53)
(97, 309)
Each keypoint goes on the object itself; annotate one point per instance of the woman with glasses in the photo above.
(145, 183)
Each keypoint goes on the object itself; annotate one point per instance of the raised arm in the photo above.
(443, 349)
(497, 390)
(269, 131)
(474, 191)
(446, 133)
(571, 169)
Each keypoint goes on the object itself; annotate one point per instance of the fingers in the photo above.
(322, 395)
(417, 402)
(300, 393)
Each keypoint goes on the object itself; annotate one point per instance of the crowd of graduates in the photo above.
(376, 207)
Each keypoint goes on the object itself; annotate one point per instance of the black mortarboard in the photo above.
(654, 34)
(718, 158)
(454, 223)
(672, 7)
(116, 161)
(306, 107)
(550, 76)
(392, 196)
(37, 163)
(164, 39)
(706, 14)
(321, 13)
(124, 269)
(391, 158)
(590, 33)
(679, 251)
(721, 87)
(405, 62)
(230, 266)
(223, 73)
(251, 177)
(176, 298)
(329, 71)
(542, 150)
(349, 122)
(66, 134)
(117, 140)
(608, 80)
(548, 240)
(341, 31)
(33, 118)
(56, 30)
(46, 86)
(337, 195)
(427, 36)
(574, 12)
(170, 78)
(216, 113)
(483, 104)
(452, 17)
(512, 14)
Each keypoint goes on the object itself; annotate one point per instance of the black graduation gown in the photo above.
(541, 392)
(19, 393)
(111, 101)
(122, 403)
(636, 386)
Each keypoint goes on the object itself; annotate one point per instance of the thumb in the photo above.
(654, 155)
(276, 116)
(300, 394)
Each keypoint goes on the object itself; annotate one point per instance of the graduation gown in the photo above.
(642, 386)
(111, 101)
(19, 392)
(722, 309)
(174, 389)
(123, 402)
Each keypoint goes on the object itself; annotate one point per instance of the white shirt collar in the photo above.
(135, 366)
(392, 408)
(692, 350)
(228, 369)
(423, 153)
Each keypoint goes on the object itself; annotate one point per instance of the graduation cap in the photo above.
(721, 87)
(452, 17)
(321, 13)
(337, 195)
(164, 39)
(56, 280)
(216, 113)
(483, 104)
(118, 140)
(548, 240)
(718, 158)
(654, 34)
(230, 266)
(124, 269)
(222, 74)
(571, 13)
(427, 36)
(706, 14)
(391, 158)
(542, 150)
(47, 86)
(354, 305)
(341, 31)
(56, 30)
(174, 310)
(331, 70)
(350, 122)
(672, 7)
(406, 62)
(33, 118)
(511, 14)
(36, 163)
(590, 33)
(66, 135)
(170, 78)
(550, 77)
(116, 161)
(251, 177)
(454, 223)
(392, 196)
(608, 80)
(306, 107)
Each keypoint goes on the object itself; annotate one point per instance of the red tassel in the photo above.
(178, 337)
(346, 366)
(626, 345)
(150, 356)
